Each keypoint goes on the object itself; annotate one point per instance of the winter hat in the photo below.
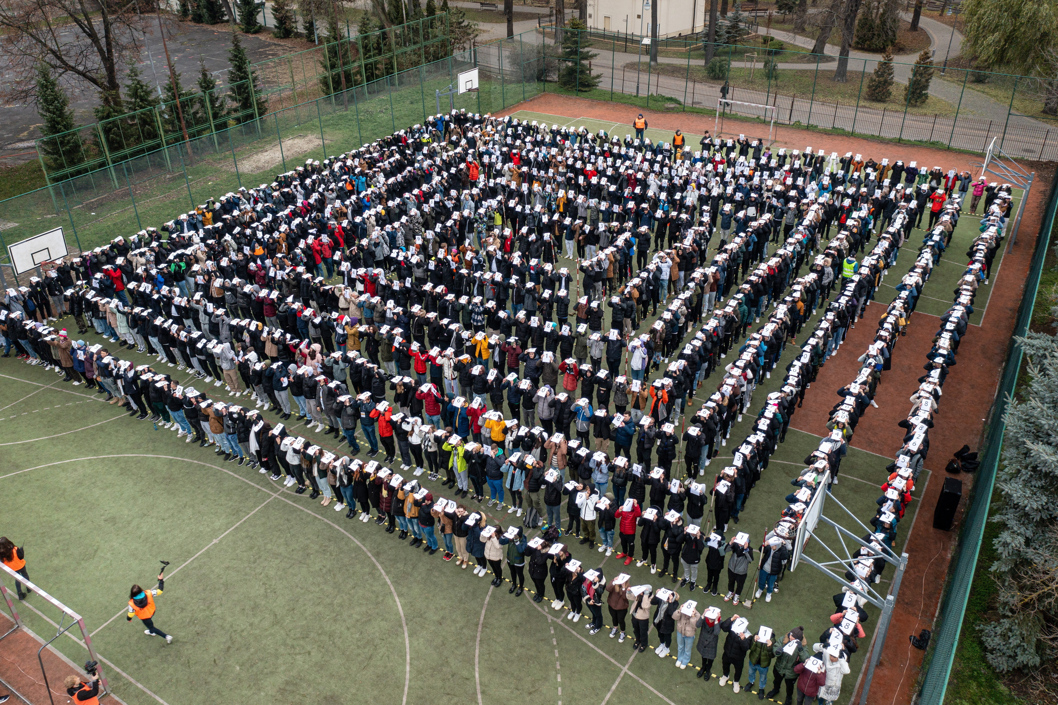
(62, 333)
(798, 633)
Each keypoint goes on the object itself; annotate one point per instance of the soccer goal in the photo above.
(68, 619)
(738, 108)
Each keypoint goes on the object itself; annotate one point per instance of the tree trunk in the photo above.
(1050, 98)
(848, 28)
(723, 8)
(582, 10)
(916, 15)
(560, 19)
(800, 16)
(654, 32)
(829, 18)
(710, 42)
(508, 11)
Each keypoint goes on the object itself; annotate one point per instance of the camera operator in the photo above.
(82, 692)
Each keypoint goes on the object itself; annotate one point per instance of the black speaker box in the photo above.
(947, 503)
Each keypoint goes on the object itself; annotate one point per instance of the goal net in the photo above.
(740, 109)
(68, 619)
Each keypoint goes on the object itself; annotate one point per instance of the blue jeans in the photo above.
(181, 421)
(601, 486)
(301, 406)
(495, 488)
(402, 522)
(639, 374)
(416, 528)
(606, 537)
(684, 645)
(449, 547)
(233, 442)
(765, 581)
(350, 435)
(347, 493)
(431, 538)
(754, 669)
(372, 440)
(434, 421)
(554, 516)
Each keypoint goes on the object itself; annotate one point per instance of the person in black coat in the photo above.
(736, 646)
(665, 620)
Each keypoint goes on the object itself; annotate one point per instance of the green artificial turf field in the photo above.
(271, 596)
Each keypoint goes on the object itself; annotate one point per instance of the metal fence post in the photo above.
(128, 183)
(294, 87)
(183, 166)
(521, 55)
(234, 160)
(392, 117)
(966, 76)
(279, 136)
(422, 93)
(613, 63)
(212, 128)
(812, 100)
(69, 214)
(907, 104)
(1010, 108)
(503, 85)
(110, 164)
(687, 79)
(578, 59)
(319, 119)
(856, 113)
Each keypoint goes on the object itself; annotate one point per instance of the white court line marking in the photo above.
(602, 653)
(57, 389)
(2, 408)
(385, 576)
(117, 670)
(214, 542)
(64, 433)
(619, 677)
(477, 644)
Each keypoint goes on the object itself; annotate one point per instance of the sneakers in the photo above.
(576, 617)
(757, 594)
(570, 616)
(168, 638)
(602, 548)
(609, 552)
(736, 687)
(728, 596)
(593, 631)
(723, 681)
(767, 598)
(621, 638)
(628, 560)
(613, 632)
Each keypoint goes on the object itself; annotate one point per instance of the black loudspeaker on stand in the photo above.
(947, 503)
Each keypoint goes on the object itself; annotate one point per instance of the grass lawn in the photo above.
(1027, 93)
(802, 83)
(18, 179)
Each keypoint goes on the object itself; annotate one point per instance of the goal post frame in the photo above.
(74, 617)
(724, 104)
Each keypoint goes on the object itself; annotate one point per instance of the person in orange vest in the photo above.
(141, 604)
(677, 144)
(640, 124)
(81, 692)
(15, 559)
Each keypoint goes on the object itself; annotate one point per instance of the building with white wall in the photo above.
(633, 16)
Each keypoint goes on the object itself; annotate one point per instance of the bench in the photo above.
(488, 6)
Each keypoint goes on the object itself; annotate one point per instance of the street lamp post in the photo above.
(642, 40)
(955, 11)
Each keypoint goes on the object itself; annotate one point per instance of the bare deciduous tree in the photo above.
(87, 40)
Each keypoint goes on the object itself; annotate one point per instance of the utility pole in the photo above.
(172, 82)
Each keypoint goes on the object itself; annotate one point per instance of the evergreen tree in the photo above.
(62, 147)
(880, 85)
(141, 100)
(735, 29)
(1026, 571)
(877, 25)
(432, 28)
(917, 89)
(367, 28)
(184, 9)
(575, 74)
(244, 85)
(247, 12)
(307, 8)
(337, 61)
(116, 126)
(171, 112)
(208, 11)
(461, 32)
(284, 19)
(210, 102)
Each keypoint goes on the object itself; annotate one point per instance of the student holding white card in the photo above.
(736, 646)
(516, 546)
(708, 640)
(617, 604)
(592, 591)
(760, 658)
(494, 555)
(668, 604)
(686, 621)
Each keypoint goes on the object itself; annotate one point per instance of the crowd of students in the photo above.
(401, 294)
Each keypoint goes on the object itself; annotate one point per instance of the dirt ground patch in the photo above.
(272, 158)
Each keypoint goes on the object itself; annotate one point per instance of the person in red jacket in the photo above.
(326, 253)
(936, 203)
(431, 400)
(628, 518)
(419, 361)
(809, 683)
(118, 278)
(383, 413)
(570, 375)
